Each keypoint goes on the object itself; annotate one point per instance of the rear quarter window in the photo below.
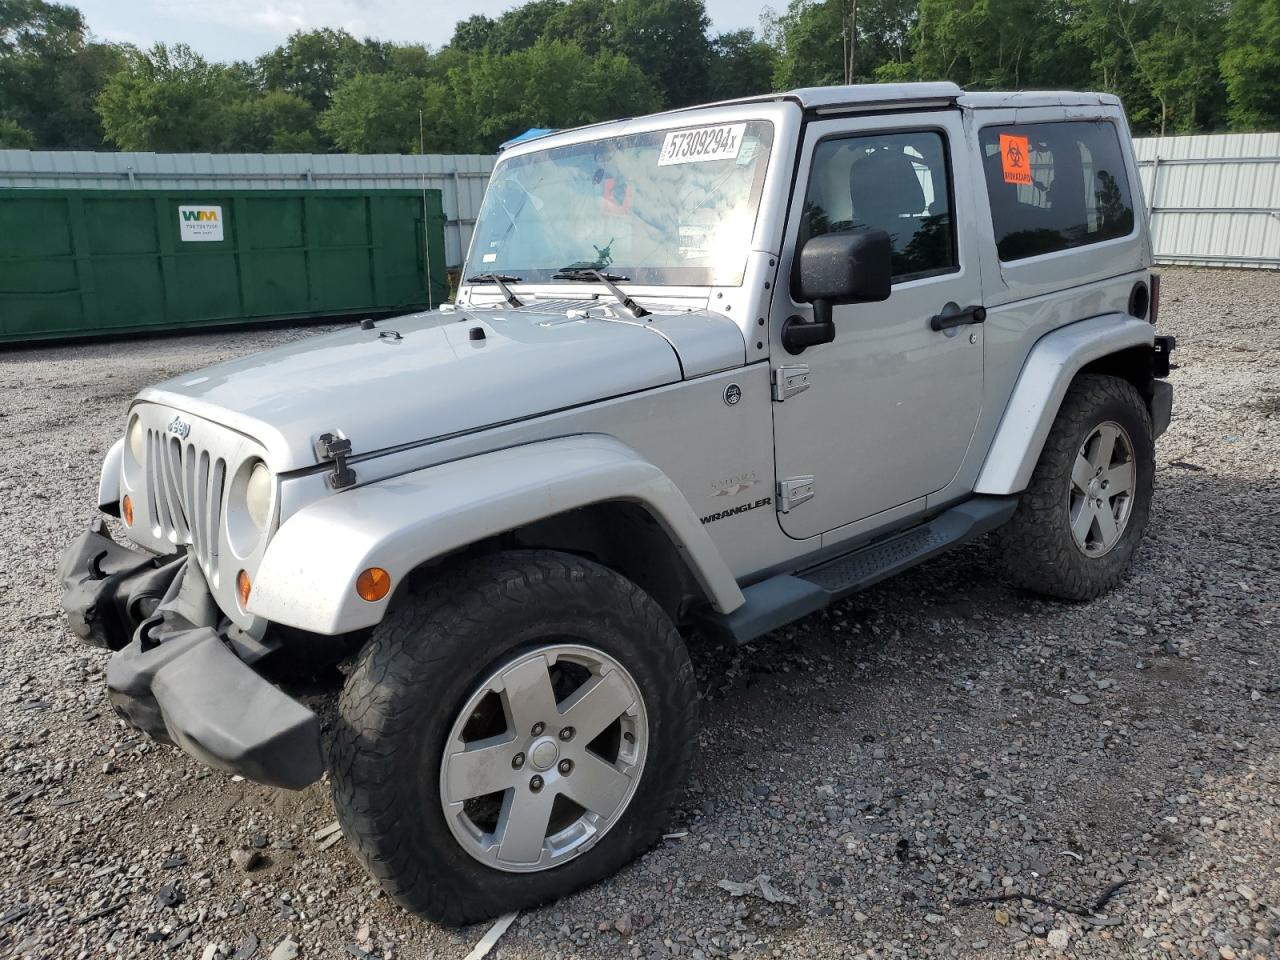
(1055, 186)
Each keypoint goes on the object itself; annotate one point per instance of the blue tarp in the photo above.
(529, 134)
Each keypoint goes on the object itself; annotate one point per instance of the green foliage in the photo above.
(667, 40)
(1251, 64)
(810, 42)
(275, 122)
(50, 73)
(552, 84)
(473, 34)
(522, 26)
(13, 137)
(1179, 65)
(997, 44)
(587, 24)
(375, 113)
(742, 65)
(839, 41)
(169, 99)
(311, 65)
(1177, 60)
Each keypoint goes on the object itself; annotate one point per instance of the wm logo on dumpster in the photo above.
(199, 222)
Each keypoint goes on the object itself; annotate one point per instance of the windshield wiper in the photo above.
(501, 279)
(592, 274)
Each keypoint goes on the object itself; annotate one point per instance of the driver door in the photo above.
(891, 404)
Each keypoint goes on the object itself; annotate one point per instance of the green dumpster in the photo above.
(91, 262)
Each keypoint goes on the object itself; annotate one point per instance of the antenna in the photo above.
(426, 228)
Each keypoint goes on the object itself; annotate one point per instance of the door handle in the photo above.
(954, 316)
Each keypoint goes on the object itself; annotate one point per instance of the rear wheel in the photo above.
(1084, 512)
(518, 732)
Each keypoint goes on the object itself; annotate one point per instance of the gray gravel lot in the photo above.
(938, 738)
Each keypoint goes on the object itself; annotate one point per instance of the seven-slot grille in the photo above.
(187, 491)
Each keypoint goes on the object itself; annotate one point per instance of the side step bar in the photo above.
(775, 602)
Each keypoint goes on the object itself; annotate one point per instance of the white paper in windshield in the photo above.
(702, 145)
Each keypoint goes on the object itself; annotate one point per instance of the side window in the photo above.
(896, 182)
(1054, 186)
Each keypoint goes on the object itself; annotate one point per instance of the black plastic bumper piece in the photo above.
(193, 692)
(102, 579)
(179, 683)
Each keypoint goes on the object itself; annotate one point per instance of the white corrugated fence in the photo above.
(1213, 200)
(461, 178)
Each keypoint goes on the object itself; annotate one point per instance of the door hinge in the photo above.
(790, 380)
(333, 448)
(794, 491)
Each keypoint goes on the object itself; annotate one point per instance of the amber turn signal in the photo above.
(126, 510)
(373, 584)
(243, 587)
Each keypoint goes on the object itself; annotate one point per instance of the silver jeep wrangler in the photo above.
(715, 368)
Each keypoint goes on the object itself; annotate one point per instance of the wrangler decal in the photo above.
(734, 511)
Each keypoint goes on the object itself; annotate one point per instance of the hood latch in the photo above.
(330, 446)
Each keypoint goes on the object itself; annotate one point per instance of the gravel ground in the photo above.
(936, 739)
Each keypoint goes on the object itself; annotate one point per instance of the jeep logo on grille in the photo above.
(180, 427)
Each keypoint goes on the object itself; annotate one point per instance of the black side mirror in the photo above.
(838, 268)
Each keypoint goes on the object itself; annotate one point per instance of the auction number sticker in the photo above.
(702, 145)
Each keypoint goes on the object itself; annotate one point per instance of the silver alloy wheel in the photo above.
(544, 757)
(1103, 480)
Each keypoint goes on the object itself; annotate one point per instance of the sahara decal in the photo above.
(733, 512)
(732, 486)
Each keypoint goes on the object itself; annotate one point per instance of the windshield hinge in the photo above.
(790, 380)
(794, 491)
(336, 448)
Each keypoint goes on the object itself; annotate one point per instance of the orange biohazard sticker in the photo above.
(1015, 158)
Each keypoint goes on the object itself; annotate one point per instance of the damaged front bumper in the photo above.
(173, 673)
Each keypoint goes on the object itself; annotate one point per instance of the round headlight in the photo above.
(137, 440)
(257, 495)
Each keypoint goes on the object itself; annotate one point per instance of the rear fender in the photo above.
(307, 577)
(1050, 367)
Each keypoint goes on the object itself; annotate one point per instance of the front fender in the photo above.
(1050, 367)
(307, 577)
(109, 479)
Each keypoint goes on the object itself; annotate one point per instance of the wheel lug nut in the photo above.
(517, 761)
(535, 784)
(538, 728)
(566, 766)
(566, 733)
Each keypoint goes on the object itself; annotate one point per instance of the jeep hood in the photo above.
(432, 375)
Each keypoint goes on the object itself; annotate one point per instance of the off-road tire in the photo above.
(1037, 549)
(422, 663)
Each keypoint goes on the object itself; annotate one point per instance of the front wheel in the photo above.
(518, 732)
(1084, 512)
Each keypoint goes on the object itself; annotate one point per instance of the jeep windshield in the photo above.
(674, 207)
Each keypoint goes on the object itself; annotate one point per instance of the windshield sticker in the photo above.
(702, 145)
(1015, 158)
(489, 257)
(695, 241)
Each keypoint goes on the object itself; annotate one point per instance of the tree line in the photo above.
(1181, 66)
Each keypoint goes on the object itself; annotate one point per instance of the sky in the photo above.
(243, 29)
